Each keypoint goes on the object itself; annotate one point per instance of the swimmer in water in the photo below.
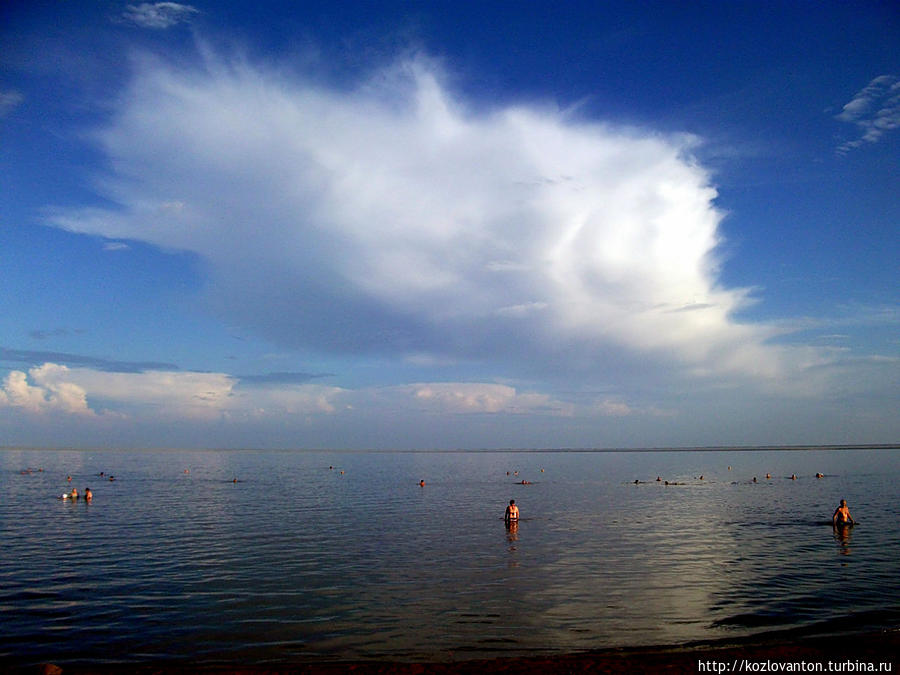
(512, 512)
(422, 483)
(88, 495)
(842, 515)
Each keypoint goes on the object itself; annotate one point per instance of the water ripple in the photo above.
(296, 560)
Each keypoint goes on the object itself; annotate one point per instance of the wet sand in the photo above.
(850, 653)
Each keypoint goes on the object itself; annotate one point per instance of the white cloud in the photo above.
(157, 393)
(158, 14)
(216, 410)
(874, 110)
(522, 310)
(458, 398)
(51, 391)
(289, 400)
(210, 397)
(394, 218)
(115, 246)
(614, 408)
(8, 101)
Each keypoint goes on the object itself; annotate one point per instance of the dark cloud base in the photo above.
(34, 358)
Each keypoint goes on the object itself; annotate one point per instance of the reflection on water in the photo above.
(842, 535)
(330, 555)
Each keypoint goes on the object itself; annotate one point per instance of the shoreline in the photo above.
(857, 653)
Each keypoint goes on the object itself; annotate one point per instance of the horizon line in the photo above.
(700, 448)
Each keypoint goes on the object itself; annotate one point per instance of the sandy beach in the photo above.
(872, 652)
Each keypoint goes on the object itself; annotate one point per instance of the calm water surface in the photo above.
(298, 561)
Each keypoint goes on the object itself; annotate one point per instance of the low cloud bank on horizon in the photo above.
(127, 403)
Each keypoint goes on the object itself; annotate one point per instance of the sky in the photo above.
(441, 225)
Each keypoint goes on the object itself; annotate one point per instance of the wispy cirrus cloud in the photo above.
(875, 110)
(158, 15)
(9, 100)
(280, 378)
(115, 246)
(45, 334)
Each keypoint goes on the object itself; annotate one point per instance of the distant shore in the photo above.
(850, 653)
(439, 451)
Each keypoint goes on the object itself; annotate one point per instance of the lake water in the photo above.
(298, 561)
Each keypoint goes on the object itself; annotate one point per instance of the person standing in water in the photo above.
(512, 512)
(842, 515)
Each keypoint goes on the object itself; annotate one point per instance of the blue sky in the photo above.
(449, 225)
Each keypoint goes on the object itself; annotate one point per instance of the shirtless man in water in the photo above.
(842, 515)
(512, 512)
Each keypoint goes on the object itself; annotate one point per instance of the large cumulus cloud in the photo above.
(396, 217)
